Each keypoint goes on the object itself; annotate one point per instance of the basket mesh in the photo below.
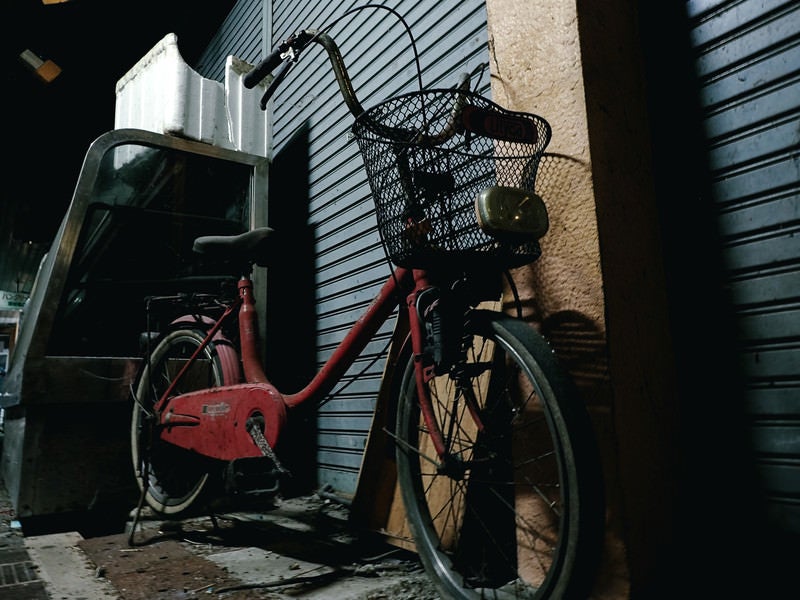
(428, 155)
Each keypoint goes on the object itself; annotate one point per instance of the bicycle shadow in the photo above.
(562, 296)
(303, 546)
(561, 293)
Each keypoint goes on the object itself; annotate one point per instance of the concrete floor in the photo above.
(304, 548)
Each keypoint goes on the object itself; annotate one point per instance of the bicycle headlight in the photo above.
(511, 214)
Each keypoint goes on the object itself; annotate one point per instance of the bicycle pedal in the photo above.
(257, 475)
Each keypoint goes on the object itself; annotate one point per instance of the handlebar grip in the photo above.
(293, 45)
(288, 52)
(264, 68)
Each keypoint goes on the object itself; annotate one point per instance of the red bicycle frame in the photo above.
(212, 421)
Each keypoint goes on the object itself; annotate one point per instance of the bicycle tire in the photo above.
(177, 479)
(526, 517)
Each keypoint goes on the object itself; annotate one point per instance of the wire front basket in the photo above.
(428, 155)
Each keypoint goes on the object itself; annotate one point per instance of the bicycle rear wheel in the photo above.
(173, 479)
(517, 509)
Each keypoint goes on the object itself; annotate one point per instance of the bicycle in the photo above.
(496, 460)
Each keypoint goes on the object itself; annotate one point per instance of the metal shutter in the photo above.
(240, 35)
(348, 262)
(322, 197)
(747, 56)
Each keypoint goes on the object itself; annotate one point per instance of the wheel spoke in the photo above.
(491, 518)
(176, 477)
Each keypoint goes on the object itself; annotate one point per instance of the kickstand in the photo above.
(326, 493)
(136, 516)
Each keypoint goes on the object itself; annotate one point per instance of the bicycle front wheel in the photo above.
(172, 478)
(516, 507)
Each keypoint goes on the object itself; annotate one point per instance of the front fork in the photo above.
(440, 347)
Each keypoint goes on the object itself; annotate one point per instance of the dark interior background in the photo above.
(51, 125)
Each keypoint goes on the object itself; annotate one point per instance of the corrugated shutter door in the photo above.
(748, 61)
(338, 220)
(241, 35)
(348, 262)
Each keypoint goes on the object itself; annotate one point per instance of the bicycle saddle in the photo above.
(254, 246)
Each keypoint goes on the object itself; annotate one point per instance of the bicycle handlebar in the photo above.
(266, 66)
(288, 51)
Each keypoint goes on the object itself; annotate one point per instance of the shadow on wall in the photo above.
(562, 292)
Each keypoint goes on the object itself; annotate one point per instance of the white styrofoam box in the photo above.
(247, 123)
(161, 93)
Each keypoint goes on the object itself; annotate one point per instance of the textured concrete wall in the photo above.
(536, 67)
(640, 346)
(598, 291)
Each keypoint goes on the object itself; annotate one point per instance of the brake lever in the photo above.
(276, 81)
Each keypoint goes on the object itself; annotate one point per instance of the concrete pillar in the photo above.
(598, 291)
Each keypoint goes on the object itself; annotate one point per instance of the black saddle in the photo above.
(251, 247)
